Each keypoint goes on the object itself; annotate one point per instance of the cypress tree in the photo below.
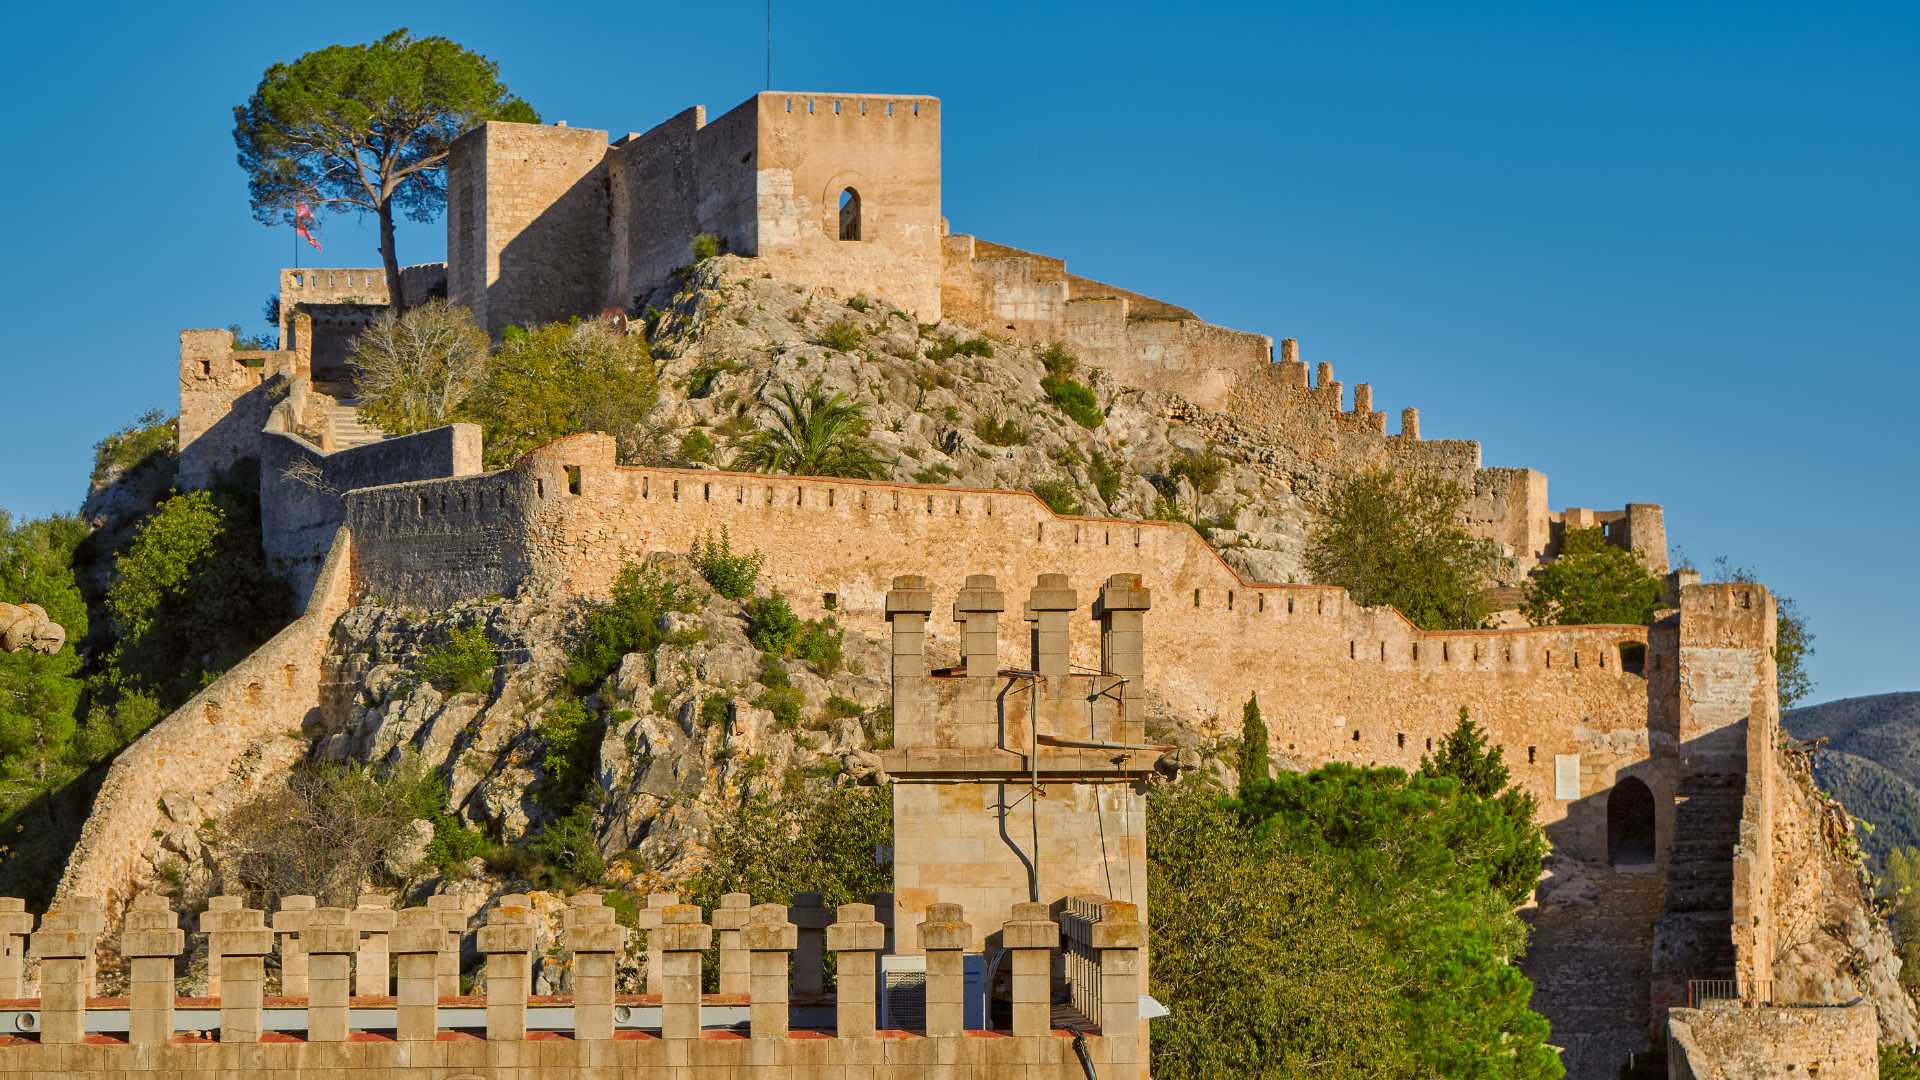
(1253, 743)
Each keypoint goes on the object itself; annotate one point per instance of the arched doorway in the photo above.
(1630, 823)
(849, 214)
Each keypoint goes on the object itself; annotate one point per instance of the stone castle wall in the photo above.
(1730, 1042)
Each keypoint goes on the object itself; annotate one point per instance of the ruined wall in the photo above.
(527, 223)
(1349, 683)
(224, 402)
(1729, 1042)
(245, 729)
(683, 178)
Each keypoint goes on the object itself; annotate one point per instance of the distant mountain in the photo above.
(1871, 762)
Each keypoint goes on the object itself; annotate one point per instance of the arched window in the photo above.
(849, 214)
(1630, 823)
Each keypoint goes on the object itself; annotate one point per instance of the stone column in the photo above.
(945, 937)
(856, 939)
(1124, 602)
(977, 609)
(453, 923)
(418, 936)
(770, 938)
(507, 943)
(648, 920)
(1410, 423)
(909, 603)
(63, 946)
(1121, 939)
(683, 938)
(809, 917)
(1030, 937)
(372, 920)
(595, 940)
(1052, 601)
(328, 942)
(92, 913)
(244, 943)
(222, 914)
(16, 926)
(729, 919)
(288, 923)
(150, 941)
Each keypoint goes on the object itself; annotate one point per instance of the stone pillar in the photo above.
(453, 923)
(1031, 937)
(92, 913)
(648, 920)
(856, 939)
(1121, 940)
(63, 945)
(1051, 602)
(883, 910)
(150, 941)
(16, 926)
(507, 943)
(372, 920)
(729, 919)
(945, 937)
(809, 917)
(244, 944)
(1290, 350)
(328, 943)
(977, 610)
(418, 936)
(770, 938)
(909, 603)
(595, 940)
(1322, 374)
(1122, 609)
(1410, 423)
(683, 938)
(1363, 399)
(288, 923)
(222, 914)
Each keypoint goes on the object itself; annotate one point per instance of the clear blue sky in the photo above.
(1664, 255)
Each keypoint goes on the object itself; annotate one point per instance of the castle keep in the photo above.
(1017, 774)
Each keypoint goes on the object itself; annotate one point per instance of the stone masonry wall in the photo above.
(1728, 1042)
(248, 724)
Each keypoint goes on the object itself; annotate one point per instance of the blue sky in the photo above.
(1663, 254)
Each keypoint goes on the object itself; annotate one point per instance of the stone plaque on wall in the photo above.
(1566, 777)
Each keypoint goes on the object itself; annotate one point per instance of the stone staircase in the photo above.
(344, 423)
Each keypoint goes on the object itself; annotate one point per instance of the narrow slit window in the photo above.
(573, 479)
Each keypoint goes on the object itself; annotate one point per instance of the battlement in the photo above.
(340, 1009)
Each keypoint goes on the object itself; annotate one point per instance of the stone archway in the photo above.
(1630, 824)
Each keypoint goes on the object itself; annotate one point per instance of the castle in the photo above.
(1650, 749)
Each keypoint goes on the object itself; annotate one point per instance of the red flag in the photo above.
(303, 223)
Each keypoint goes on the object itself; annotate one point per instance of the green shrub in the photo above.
(629, 622)
(1058, 361)
(938, 473)
(706, 245)
(815, 836)
(1075, 399)
(839, 708)
(149, 440)
(820, 643)
(785, 703)
(947, 348)
(771, 624)
(773, 673)
(1002, 432)
(696, 447)
(563, 378)
(878, 725)
(1059, 496)
(567, 846)
(570, 738)
(1203, 470)
(700, 379)
(713, 710)
(1106, 475)
(860, 304)
(464, 665)
(841, 335)
(731, 575)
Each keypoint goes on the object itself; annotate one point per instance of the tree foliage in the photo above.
(412, 370)
(627, 622)
(1398, 539)
(811, 837)
(814, 433)
(560, 379)
(367, 128)
(1253, 760)
(1901, 890)
(39, 695)
(1592, 582)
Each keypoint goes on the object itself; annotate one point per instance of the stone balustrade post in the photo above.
(63, 946)
(372, 921)
(92, 913)
(151, 940)
(327, 943)
(507, 943)
(595, 940)
(909, 602)
(288, 923)
(1030, 938)
(1122, 609)
(683, 940)
(453, 923)
(244, 941)
(1049, 606)
(736, 967)
(1120, 939)
(809, 916)
(648, 920)
(883, 910)
(419, 935)
(770, 940)
(16, 927)
(856, 939)
(945, 937)
(222, 914)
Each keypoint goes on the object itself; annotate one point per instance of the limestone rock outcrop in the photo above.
(27, 627)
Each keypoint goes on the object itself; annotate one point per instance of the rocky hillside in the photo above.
(1870, 761)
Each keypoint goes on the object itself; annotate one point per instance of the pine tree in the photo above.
(1465, 756)
(1253, 744)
